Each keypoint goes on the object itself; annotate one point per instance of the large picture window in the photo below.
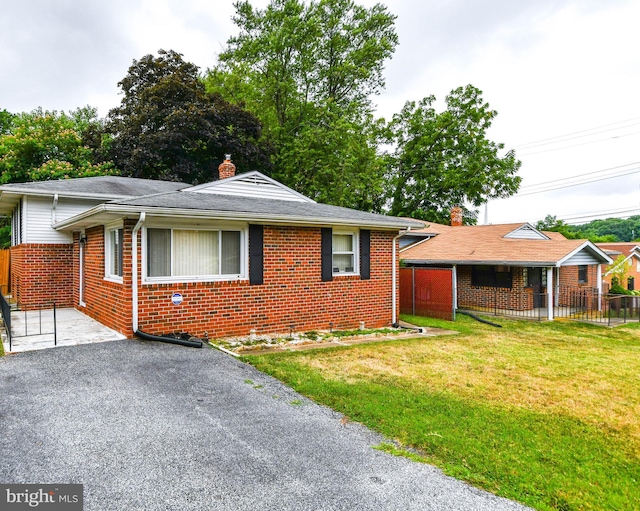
(186, 253)
(491, 276)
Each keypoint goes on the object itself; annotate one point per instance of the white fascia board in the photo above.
(415, 244)
(528, 264)
(134, 212)
(75, 195)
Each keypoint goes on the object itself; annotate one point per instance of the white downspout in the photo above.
(394, 286)
(550, 293)
(134, 272)
(53, 209)
(454, 277)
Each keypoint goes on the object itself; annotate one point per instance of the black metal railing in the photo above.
(581, 304)
(6, 317)
(33, 322)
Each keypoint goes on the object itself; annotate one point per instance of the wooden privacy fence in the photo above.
(5, 258)
(427, 292)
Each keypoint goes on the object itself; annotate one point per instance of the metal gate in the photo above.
(427, 292)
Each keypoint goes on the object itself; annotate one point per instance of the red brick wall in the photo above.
(292, 296)
(569, 277)
(517, 298)
(42, 274)
(108, 302)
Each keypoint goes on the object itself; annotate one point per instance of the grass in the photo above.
(543, 413)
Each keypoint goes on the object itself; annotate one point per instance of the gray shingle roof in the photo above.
(108, 186)
(256, 207)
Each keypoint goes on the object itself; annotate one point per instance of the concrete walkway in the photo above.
(34, 330)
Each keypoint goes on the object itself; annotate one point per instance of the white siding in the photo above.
(38, 216)
(581, 258)
(252, 186)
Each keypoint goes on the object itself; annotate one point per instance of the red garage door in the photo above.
(427, 292)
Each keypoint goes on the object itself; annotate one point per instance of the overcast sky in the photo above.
(564, 77)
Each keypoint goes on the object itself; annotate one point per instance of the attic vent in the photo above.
(526, 232)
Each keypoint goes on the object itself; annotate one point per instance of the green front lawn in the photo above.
(544, 413)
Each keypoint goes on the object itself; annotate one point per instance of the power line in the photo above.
(578, 145)
(634, 170)
(534, 185)
(557, 137)
(602, 213)
(587, 217)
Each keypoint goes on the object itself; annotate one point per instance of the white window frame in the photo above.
(244, 254)
(108, 252)
(355, 252)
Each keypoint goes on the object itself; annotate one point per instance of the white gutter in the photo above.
(394, 286)
(225, 215)
(134, 271)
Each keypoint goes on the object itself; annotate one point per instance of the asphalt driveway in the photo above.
(152, 426)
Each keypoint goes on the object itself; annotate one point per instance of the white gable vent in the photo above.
(252, 184)
(527, 232)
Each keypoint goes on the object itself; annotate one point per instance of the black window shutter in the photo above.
(365, 254)
(256, 254)
(327, 253)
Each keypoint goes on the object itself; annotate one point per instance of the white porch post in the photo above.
(599, 278)
(550, 293)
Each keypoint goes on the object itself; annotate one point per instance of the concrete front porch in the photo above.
(34, 330)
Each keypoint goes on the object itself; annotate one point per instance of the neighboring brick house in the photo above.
(631, 253)
(224, 258)
(507, 266)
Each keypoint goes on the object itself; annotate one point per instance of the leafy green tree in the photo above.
(619, 271)
(623, 229)
(552, 223)
(43, 145)
(308, 71)
(168, 127)
(444, 159)
(597, 231)
(6, 122)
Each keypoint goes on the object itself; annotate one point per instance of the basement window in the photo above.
(191, 254)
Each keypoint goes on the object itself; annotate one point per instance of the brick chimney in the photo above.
(456, 216)
(226, 168)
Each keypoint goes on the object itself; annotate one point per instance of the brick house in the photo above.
(507, 266)
(631, 253)
(224, 258)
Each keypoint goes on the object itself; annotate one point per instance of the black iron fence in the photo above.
(6, 317)
(582, 304)
(35, 322)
